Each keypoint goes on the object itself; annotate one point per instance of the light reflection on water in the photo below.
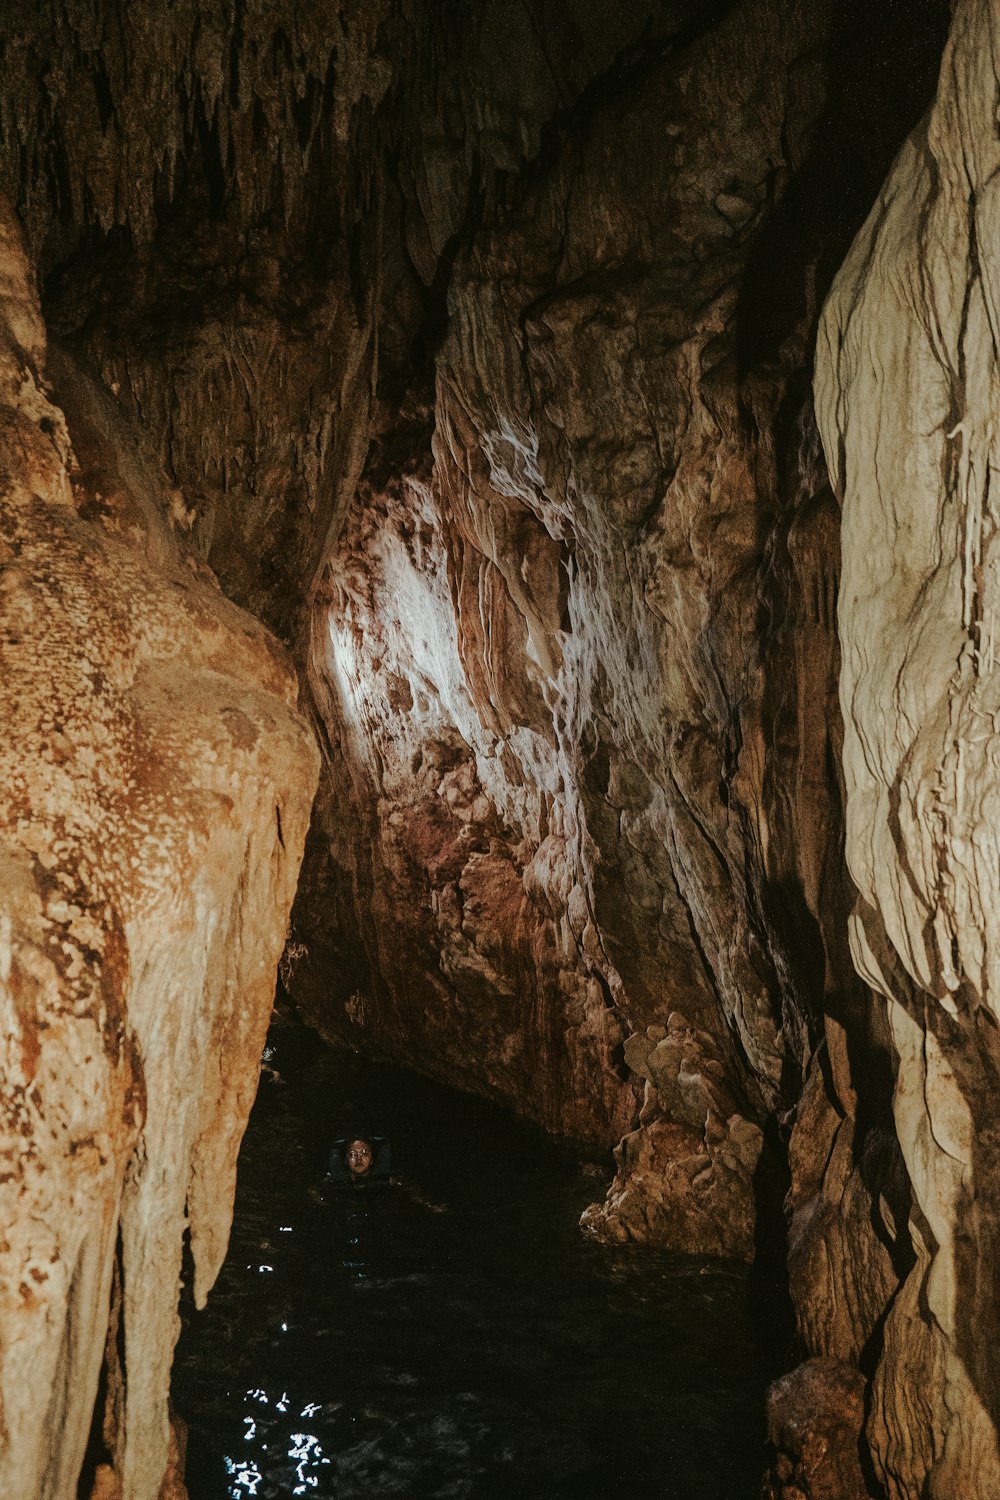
(359, 1345)
(305, 1452)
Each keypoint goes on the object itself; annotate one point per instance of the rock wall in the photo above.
(576, 655)
(907, 386)
(183, 176)
(538, 692)
(155, 786)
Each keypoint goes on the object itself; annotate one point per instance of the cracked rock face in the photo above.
(155, 788)
(907, 386)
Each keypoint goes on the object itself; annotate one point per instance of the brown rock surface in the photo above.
(155, 784)
(577, 660)
(814, 1420)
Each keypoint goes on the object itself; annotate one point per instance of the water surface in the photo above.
(457, 1335)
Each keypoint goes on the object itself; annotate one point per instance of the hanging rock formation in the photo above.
(908, 387)
(155, 788)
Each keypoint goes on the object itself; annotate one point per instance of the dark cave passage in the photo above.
(454, 1335)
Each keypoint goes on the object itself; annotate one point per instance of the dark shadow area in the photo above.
(771, 1305)
(882, 68)
(455, 1334)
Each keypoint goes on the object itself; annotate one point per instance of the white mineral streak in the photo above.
(908, 395)
(566, 774)
(155, 786)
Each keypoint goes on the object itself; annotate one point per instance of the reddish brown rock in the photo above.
(578, 661)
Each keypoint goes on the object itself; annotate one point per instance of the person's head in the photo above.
(359, 1157)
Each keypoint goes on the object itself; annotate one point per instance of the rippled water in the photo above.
(455, 1336)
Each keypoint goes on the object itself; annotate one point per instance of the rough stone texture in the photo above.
(814, 1420)
(578, 665)
(155, 785)
(462, 943)
(183, 182)
(246, 215)
(908, 388)
(567, 297)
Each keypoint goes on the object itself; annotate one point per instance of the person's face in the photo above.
(359, 1158)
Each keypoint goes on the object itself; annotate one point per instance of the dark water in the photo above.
(367, 1344)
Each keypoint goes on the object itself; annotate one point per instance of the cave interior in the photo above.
(496, 536)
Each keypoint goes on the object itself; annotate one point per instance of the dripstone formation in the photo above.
(442, 374)
(156, 784)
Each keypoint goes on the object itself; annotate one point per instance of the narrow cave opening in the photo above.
(496, 529)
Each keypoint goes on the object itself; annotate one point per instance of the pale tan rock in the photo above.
(173, 1486)
(907, 392)
(155, 785)
(680, 1188)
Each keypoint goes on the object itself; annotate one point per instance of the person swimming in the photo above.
(358, 1160)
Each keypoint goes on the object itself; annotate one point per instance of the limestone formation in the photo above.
(576, 656)
(155, 785)
(536, 761)
(908, 388)
(815, 1416)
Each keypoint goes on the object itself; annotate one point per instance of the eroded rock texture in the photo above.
(578, 659)
(184, 178)
(155, 785)
(908, 392)
(814, 1419)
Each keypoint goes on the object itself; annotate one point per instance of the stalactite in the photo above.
(145, 901)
